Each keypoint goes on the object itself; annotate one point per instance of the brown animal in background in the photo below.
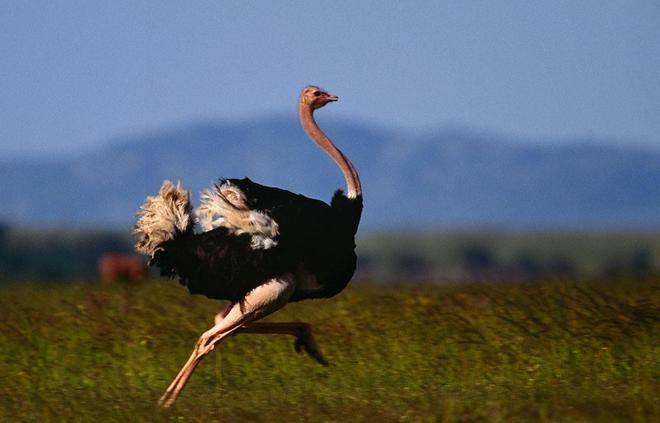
(121, 266)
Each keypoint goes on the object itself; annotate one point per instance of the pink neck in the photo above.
(353, 185)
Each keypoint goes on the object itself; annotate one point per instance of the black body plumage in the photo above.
(315, 238)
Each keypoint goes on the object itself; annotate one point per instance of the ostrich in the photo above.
(260, 247)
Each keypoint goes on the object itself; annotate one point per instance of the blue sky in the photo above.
(75, 74)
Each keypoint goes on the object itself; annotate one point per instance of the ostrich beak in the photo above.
(331, 97)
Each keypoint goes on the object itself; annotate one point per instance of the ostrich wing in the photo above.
(265, 213)
(254, 233)
(221, 264)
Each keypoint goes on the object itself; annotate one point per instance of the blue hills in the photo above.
(445, 178)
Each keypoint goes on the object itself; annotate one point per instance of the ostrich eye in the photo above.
(317, 93)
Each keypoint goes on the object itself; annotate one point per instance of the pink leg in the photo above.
(302, 331)
(260, 302)
(220, 316)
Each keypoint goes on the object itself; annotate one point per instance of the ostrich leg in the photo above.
(259, 303)
(220, 316)
(302, 331)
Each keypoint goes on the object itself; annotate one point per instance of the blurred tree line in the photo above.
(55, 254)
(507, 256)
(480, 263)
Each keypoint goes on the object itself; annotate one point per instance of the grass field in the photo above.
(551, 352)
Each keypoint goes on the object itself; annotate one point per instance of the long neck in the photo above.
(353, 186)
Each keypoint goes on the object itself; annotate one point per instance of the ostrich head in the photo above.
(316, 97)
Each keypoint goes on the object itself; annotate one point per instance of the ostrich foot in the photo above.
(307, 343)
(304, 342)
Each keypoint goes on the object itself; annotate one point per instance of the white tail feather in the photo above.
(226, 206)
(162, 217)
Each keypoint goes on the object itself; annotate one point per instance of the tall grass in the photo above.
(552, 351)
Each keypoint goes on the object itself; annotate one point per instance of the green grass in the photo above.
(551, 352)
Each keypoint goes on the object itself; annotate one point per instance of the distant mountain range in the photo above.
(449, 177)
